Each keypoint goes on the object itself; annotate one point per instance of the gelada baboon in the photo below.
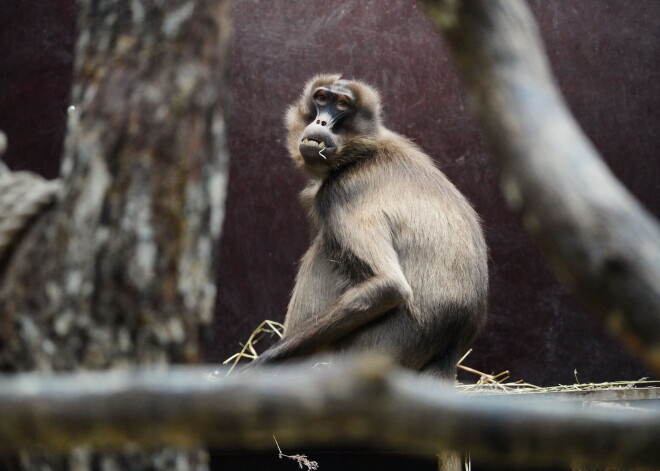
(397, 262)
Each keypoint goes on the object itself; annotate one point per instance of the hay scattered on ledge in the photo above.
(485, 384)
(248, 351)
(496, 384)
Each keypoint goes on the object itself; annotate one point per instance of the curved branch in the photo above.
(602, 243)
(363, 402)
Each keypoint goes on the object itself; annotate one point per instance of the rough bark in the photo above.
(364, 402)
(120, 271)
(601, 242)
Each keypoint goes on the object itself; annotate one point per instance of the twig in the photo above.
(476, 372)
(266, 327)
(301, 459)
(463, 357)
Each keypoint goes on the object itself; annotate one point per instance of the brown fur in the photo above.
(397, 262)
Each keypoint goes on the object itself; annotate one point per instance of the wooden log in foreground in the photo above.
(363, 403)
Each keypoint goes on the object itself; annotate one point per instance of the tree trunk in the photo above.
(120, 271)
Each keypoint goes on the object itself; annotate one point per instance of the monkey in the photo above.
(397, 262)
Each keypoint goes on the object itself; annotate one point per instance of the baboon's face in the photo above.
(331, 108)
(330, 113)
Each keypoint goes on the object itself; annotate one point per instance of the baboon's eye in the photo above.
(320, 98)
(343, 105)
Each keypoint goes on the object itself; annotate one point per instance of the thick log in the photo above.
(601, 242)
(363, 402)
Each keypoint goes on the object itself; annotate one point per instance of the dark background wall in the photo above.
(605, 53)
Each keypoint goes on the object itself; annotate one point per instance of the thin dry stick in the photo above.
(463, 357)
(266, 327)
(477, 372)
(301, 459)
(484, 377)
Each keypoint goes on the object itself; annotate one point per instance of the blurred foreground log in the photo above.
(601, 242)
(362, 402)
